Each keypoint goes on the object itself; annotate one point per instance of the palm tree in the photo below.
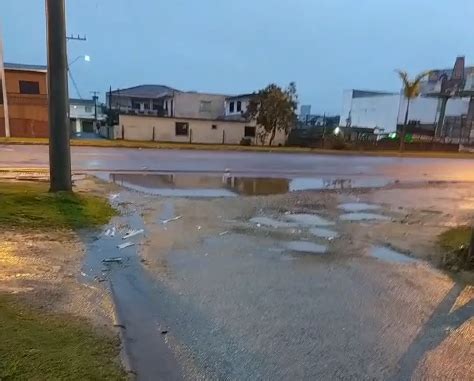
(411, 90)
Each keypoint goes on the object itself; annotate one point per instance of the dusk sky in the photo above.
(232, 47)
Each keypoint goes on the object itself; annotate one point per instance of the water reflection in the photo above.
(197, 185)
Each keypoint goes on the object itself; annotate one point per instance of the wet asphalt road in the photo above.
(244, 163)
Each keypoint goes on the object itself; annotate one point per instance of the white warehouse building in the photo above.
(384, 111)
(444, 108)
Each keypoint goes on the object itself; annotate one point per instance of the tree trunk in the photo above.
(404, 128)
(272, 136)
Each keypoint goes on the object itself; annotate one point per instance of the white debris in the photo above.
(199, 227)
(172, 219)
(107, 232)
(112, 233)
(124, 245)
(113, 196)
(112, 260)
(133, 233)
(224, 233)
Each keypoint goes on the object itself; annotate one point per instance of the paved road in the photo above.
(247, 163)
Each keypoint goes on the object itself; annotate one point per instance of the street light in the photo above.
(86, 58)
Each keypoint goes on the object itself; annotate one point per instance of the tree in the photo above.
(411, 90)
(274, 109)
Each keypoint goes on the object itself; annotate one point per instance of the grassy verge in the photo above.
(30, 206)
(38, 346)
(35, 345)
(455, 244)
(219, 147)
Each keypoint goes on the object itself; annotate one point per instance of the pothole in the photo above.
(309, 220)
(358, 207)
(389, 255)
(306, 247)
(324, 233)
(360, 216)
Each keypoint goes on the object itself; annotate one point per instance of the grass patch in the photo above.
(454, 238)
(31, 206)
(455, 244)
(39, 346)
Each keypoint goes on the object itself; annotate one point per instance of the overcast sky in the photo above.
(235, 46)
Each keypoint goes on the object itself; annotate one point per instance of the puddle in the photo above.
(363, 217)
(198, 185)
(358, 207)
(386, 254)
(324, 233)
(271, 222)
(306, 247)
(308, 183)
(309, 220)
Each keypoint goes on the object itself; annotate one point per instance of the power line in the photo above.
(74, 84)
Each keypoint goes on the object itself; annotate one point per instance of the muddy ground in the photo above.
(244, 289)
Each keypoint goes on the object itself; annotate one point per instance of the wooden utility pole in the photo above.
(59, 148)
(6, 115)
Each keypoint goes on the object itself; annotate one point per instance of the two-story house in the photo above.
(85, 115)
(160, 100)
(27, 100)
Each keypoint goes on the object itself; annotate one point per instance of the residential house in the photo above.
(85, 115)
(26, 88)
(236, 106)
(160, 100)
(161, 113)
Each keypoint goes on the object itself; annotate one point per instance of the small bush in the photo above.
(245, 142)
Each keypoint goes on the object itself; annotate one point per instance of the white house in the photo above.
(83, 113)
(236, 106)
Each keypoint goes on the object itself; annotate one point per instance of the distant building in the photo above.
(445, 95)
(305, 112)
(27, 98)
(85, 115)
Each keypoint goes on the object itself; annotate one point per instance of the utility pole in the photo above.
(6, 115)
(95, 98)
(59, 148)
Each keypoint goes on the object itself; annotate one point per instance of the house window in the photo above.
(146, 106)
(231, 107)
(214, 127)
(181, 129)
(239, 106)
(205, 106)
(249, 132)
(156, 106)
(88, 108)
(135, 105)
(29, 87)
